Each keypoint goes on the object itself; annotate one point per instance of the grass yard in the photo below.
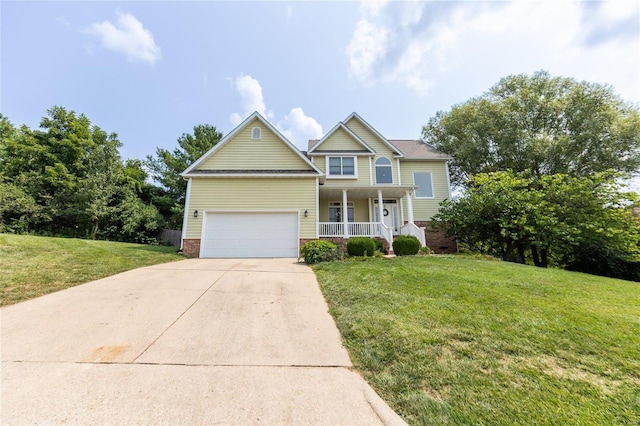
(451, 340)
(34, 266)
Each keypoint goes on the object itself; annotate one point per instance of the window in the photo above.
(423, 181)
(335, 212)
(383, 170)
(342, 166)
(256, 133)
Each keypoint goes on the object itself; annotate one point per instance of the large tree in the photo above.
(552, 217)
(67, 177)
(541, 123)
(167, 165)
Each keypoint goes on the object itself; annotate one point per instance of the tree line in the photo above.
(539, 162)
(67, 178)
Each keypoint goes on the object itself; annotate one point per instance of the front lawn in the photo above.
(458, 340)
(34, 266)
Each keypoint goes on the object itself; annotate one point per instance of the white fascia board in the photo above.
(235, 131)
(341, 154)
(348, 131)
(376, 133)
(225, 139)
(253, 175)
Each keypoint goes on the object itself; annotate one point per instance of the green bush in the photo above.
(319, 251)
(406, 245)
(379, 246)
(361, 246)
(425, 250)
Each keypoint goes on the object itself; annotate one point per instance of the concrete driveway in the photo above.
(202, 341)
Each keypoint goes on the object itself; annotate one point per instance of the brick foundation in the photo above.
(191, 247)
(436, 240)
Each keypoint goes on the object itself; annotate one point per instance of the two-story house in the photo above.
(255, 194)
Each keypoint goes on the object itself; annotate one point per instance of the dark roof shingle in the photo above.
(418, 150)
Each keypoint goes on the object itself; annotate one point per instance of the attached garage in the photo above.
(250, 234)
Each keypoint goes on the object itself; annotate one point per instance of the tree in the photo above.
(549, 125)
(67, 178)
(520, 216)
(167, 166)
(18, 210)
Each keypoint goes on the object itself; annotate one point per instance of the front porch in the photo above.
(387, 211)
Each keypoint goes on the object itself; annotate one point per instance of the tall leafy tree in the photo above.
(67, 177)
(166, 167)
(520, 216)
(545, 124)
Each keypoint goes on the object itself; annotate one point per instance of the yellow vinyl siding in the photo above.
(320, 163)
(360, 209)
(244, 153)
(340, 140)
(252, 194)
(424, 209)
(374, 142)
(362, 167)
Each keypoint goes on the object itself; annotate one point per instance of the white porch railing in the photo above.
(412, 229)
(356, 229)
(330, 229)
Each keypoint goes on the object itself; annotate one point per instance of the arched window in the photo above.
(256, 133)
(383, 170)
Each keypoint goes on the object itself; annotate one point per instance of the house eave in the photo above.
(253, 174)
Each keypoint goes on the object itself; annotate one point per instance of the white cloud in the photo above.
(127, 36)
(419, 43)
(251, 98)
(368, 45)
(295, 126)
(299, 128)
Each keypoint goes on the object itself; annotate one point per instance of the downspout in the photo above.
(187, 199)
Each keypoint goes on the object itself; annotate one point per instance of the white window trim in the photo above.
(259, 132)
(375, 166)
(338, 204)
(415, 193)
(328, 169)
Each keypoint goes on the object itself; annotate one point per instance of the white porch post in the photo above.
(380, 206)
(345, 214)
(409, 207)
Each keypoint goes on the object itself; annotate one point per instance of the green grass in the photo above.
(450, 340)
(34, 266)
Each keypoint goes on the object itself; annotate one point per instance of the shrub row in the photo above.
(321, 250)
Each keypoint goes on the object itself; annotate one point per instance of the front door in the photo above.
(390, 214)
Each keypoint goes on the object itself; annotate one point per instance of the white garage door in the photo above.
(250, 235)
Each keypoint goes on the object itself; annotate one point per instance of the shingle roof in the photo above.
(418, 150)
(412, 149)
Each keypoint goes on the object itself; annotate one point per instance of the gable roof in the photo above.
(384, 140)
(340, 126)
(191, 170)
(418, 150)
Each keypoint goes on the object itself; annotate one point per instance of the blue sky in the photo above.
(150, 71)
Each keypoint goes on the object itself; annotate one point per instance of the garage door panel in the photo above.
(250, 235)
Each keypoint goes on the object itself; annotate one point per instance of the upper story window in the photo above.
(383, 170)
(341, 166)
(256, 133)
(424, 183)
